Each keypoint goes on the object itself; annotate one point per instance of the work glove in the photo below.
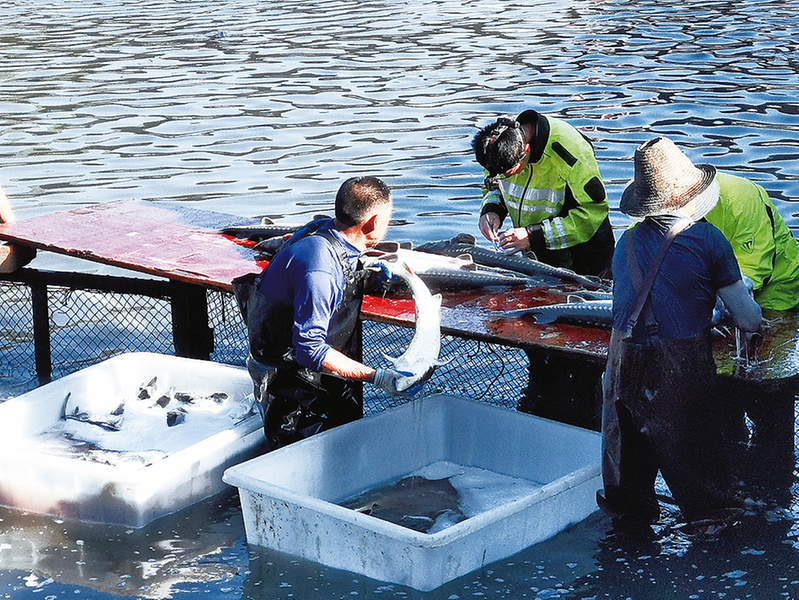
(389, 380)
(750, 285)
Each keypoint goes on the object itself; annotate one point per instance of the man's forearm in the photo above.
(343, 366)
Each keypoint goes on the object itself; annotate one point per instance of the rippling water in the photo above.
(263, 108)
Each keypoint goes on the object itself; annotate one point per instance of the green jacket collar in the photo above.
(541, 127)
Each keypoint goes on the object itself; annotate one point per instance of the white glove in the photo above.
(386, 380)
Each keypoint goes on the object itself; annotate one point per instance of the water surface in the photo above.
(263, 108)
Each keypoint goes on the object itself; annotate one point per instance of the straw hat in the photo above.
(666, 180)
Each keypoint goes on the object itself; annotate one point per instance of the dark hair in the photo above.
(358, 197)
(499, 147)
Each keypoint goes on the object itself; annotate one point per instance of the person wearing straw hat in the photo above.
(542, 172)
(660, 410)
(767, 252)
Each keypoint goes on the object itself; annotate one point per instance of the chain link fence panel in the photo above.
(87, 327)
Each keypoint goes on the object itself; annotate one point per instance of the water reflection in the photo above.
(262, 108)
(198, 546)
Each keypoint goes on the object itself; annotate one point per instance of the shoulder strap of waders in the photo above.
(644, 285)
(341, 252)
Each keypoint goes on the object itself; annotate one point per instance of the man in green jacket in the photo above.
(542, 173)
(766, 250)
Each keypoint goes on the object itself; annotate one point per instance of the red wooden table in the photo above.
(173, 242)
(185, 245)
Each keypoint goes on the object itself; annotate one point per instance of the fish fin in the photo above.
(543, 318)
(464, 238)
(468, 258)
(390, 359)
(64, 406)
(516, 313)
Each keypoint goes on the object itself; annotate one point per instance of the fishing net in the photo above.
(89, 326)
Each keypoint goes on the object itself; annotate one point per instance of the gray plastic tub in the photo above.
(184, 463)
(290, 496)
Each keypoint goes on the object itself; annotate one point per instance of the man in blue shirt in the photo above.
(662, 408)
(303, 319)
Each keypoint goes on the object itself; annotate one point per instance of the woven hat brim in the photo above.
(638, 202)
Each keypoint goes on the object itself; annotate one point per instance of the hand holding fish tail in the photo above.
(420, 359)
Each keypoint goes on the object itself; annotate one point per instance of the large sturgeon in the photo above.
(260, 231)
(442, 272)
(464, 244)
(420, 359)
(587, 312)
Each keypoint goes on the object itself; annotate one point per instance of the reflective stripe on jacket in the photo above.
(561, 188)
(766, 250)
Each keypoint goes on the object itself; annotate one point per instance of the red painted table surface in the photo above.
(185, 244)
(180, 244)
(477, 315)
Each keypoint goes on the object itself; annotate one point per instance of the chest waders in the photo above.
(662, 412)
(297, 402)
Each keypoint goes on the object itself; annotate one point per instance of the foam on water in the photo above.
(480, 490)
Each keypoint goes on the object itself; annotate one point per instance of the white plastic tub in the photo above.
(290, 496)
(150, 471)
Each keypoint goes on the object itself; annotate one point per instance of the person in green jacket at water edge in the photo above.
(542, 172)
(767, 252)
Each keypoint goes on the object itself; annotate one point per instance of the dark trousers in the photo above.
(563, 389)
(296, 404)
(662, 411)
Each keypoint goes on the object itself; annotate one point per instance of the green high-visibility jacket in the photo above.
(561, 189)
(766, 250)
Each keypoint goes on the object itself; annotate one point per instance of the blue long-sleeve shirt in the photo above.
(698, 263)
(308, 276)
